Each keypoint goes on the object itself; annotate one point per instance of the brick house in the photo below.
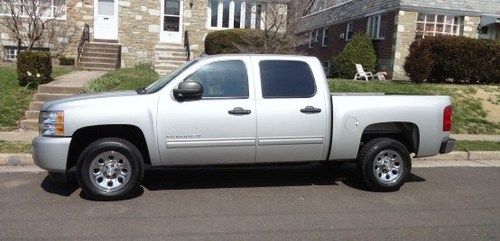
(393, 25)
(127, 32)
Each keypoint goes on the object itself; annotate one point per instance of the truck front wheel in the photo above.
(385, 164)
(110, 169)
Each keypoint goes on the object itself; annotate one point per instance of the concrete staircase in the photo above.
(101, 55)
(45, 93)
(169, 57)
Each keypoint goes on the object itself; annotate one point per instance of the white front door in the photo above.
(171, 21)
(106, 19)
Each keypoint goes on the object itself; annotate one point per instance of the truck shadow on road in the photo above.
(238, 177)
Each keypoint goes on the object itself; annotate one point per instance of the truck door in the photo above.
(292, 113)
(220, 128)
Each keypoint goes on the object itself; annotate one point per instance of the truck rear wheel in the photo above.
(385, 164)
(110, 169)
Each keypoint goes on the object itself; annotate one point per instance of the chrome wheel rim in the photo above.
(388, 166)
(109, 171)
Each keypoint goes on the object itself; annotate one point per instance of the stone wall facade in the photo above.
(406, 23)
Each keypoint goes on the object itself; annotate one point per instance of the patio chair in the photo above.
(361, 74)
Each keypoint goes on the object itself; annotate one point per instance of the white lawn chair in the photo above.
(361, 74)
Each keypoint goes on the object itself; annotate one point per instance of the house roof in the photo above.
(358, 8)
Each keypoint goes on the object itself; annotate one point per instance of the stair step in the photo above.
(105, 41)
(98, 65)
(36, 105)
(99, 54)
(171, 58)
(99, 60)
(32, 114)
(48, 97)
(100, 50)
(52, 89)
(29, 124)
(178, 48)
(102, 45)
(98, 68)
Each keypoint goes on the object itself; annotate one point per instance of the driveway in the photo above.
(305, 202)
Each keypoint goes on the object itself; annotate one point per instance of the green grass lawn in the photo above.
(14, 147)
(14, 99)
(469, 115)
(124, 79)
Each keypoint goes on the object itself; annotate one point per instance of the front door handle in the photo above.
(239, 111)
(310, 110)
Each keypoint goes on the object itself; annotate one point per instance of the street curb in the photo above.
(24, 159)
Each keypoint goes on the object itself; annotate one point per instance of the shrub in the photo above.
(460, 59)
(233, 41)
(66, 61)
(34, 68)
(418, 65)
(358, 51)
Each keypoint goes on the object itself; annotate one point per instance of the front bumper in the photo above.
(51, 153)
(447, 146)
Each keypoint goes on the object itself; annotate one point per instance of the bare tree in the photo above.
(28, 20)
(282, 19)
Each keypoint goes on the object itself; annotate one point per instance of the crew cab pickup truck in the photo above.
(238, 109)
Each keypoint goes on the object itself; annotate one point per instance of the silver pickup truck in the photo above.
(237, 109)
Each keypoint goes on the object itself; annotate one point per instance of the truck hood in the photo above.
(85, 97)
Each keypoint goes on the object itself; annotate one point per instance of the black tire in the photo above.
(369, 161)
(117, 145)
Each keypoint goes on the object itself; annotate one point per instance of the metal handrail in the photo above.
(187, 45)
(85, 38)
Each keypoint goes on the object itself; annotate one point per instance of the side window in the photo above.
(223, 79)
(286, 79)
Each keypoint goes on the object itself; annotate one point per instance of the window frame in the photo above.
(434, 23)
(243, 12)
(327, 70)
(228, 97)
(350, 26)
(370, 26)
(52, 8)
(323, 42)
(310, 72)
(9, 51)
(311, 39)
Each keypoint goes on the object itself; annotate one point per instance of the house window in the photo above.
(311, 39)
(324, 41)
(435, 25)
(10, 53)
(326, 67)
(376, 26)
(349, 31)
(316, 36)
(50, 8)
(227, 14)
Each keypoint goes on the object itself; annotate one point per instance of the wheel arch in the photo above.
(405, 132)
(84, 136)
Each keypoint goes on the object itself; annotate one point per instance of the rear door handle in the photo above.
(310, 110)
(239, 111)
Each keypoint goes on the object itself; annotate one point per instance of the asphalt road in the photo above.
(268, 203)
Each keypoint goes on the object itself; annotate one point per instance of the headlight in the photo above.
(51, 123)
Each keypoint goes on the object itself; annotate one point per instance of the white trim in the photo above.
(232, 7)
(114, 35)
(370, 27)
(311, 39)
(52, 8)
(171, 36)
(379, 12)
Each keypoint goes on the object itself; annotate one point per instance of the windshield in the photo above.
(165, 80)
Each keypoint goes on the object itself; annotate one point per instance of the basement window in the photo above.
(10, 53)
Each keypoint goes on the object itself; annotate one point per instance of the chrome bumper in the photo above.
(51, 153)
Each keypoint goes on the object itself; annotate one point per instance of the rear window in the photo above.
(286, 79)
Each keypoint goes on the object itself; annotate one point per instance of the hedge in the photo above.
(233, 41)
(358, 51)
(66, 61)
(34, 68)
(455, 58)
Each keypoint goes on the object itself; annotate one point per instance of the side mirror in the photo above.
(188, 90)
